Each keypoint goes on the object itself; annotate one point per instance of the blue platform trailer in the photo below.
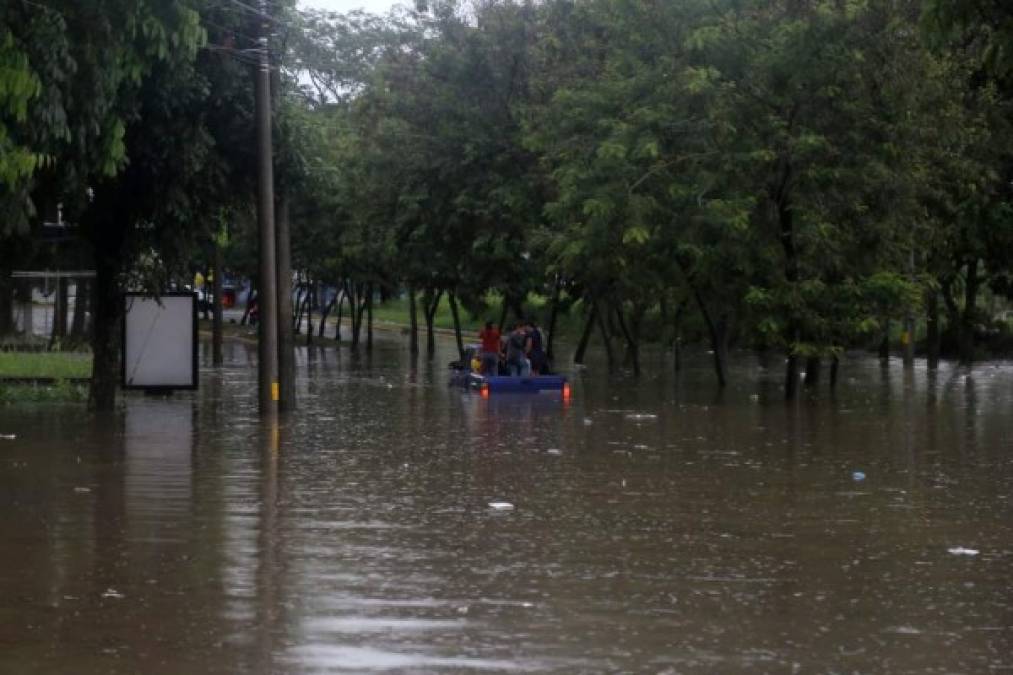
(462, 375)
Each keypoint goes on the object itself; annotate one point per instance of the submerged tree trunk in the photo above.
(585, 335)
(432, 303)
(216, 314)
(457, 325)
(553, 314)
(716, 331)
(966, 329)
(793, 329)
(369, 319)
(629, 334)
(413, 323)
(326, 314)
(360, 311)
(884, 343)
(812, 371)
(933, 338)
(337, 320)
(108, 310)
(835, 363)
(311, 298)
(610, 356)
(7, 302)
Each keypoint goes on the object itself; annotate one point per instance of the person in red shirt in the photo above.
(491, 346)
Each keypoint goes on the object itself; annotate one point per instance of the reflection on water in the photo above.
(659, 525)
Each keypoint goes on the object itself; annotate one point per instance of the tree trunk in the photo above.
(884, 343)
(553, 313)
(457, 325)
(60, 302)
(677, 336)
(206, 309)
(369, 319)
(300, 307)
(413, 321)
(108, 305)
(933, 337)
(834, 367)
(966, 335)
(360, 310)
(793, 329)
(341, 306)
(632, 355)
(432, 303)
(610, 356)
(311, 299)
(286, 336)
(503, 315)
(216, 316)
(326, 314)
(791, 377)
(6, 302)
(585, 335)
(717, 339)
(812, 371)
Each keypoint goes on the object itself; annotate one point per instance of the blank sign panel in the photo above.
(160, 342)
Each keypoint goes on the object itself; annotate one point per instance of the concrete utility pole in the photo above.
(267, 379)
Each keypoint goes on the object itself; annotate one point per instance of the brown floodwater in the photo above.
(657, 525)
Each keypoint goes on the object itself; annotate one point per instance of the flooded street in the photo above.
(657, 526)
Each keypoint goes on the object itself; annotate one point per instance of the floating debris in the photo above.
(858, 475)
(588, 422)
(640, 417)
(113, 593)
(554, 451)
(501, 506)
(8, 437)
(960, 550)
(82, 490)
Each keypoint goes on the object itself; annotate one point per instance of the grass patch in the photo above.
(61, 392)
(59, 365)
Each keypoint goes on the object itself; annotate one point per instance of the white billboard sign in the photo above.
(160, 341)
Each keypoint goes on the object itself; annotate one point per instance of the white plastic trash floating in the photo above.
(8, 437)
(858, 475)
(554, 451)
(639, 417)
(960, 550)
(501, 506)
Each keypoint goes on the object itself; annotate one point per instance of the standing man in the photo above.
(518, 345)
(490, 338)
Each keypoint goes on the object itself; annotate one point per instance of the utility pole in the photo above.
(267, 375)
(286, 340)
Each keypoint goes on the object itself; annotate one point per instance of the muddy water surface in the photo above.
(657, 526)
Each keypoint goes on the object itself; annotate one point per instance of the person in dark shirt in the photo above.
(536, 352)
(516, 351)
(491, 346)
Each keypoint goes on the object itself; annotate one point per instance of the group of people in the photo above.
(520, 352)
